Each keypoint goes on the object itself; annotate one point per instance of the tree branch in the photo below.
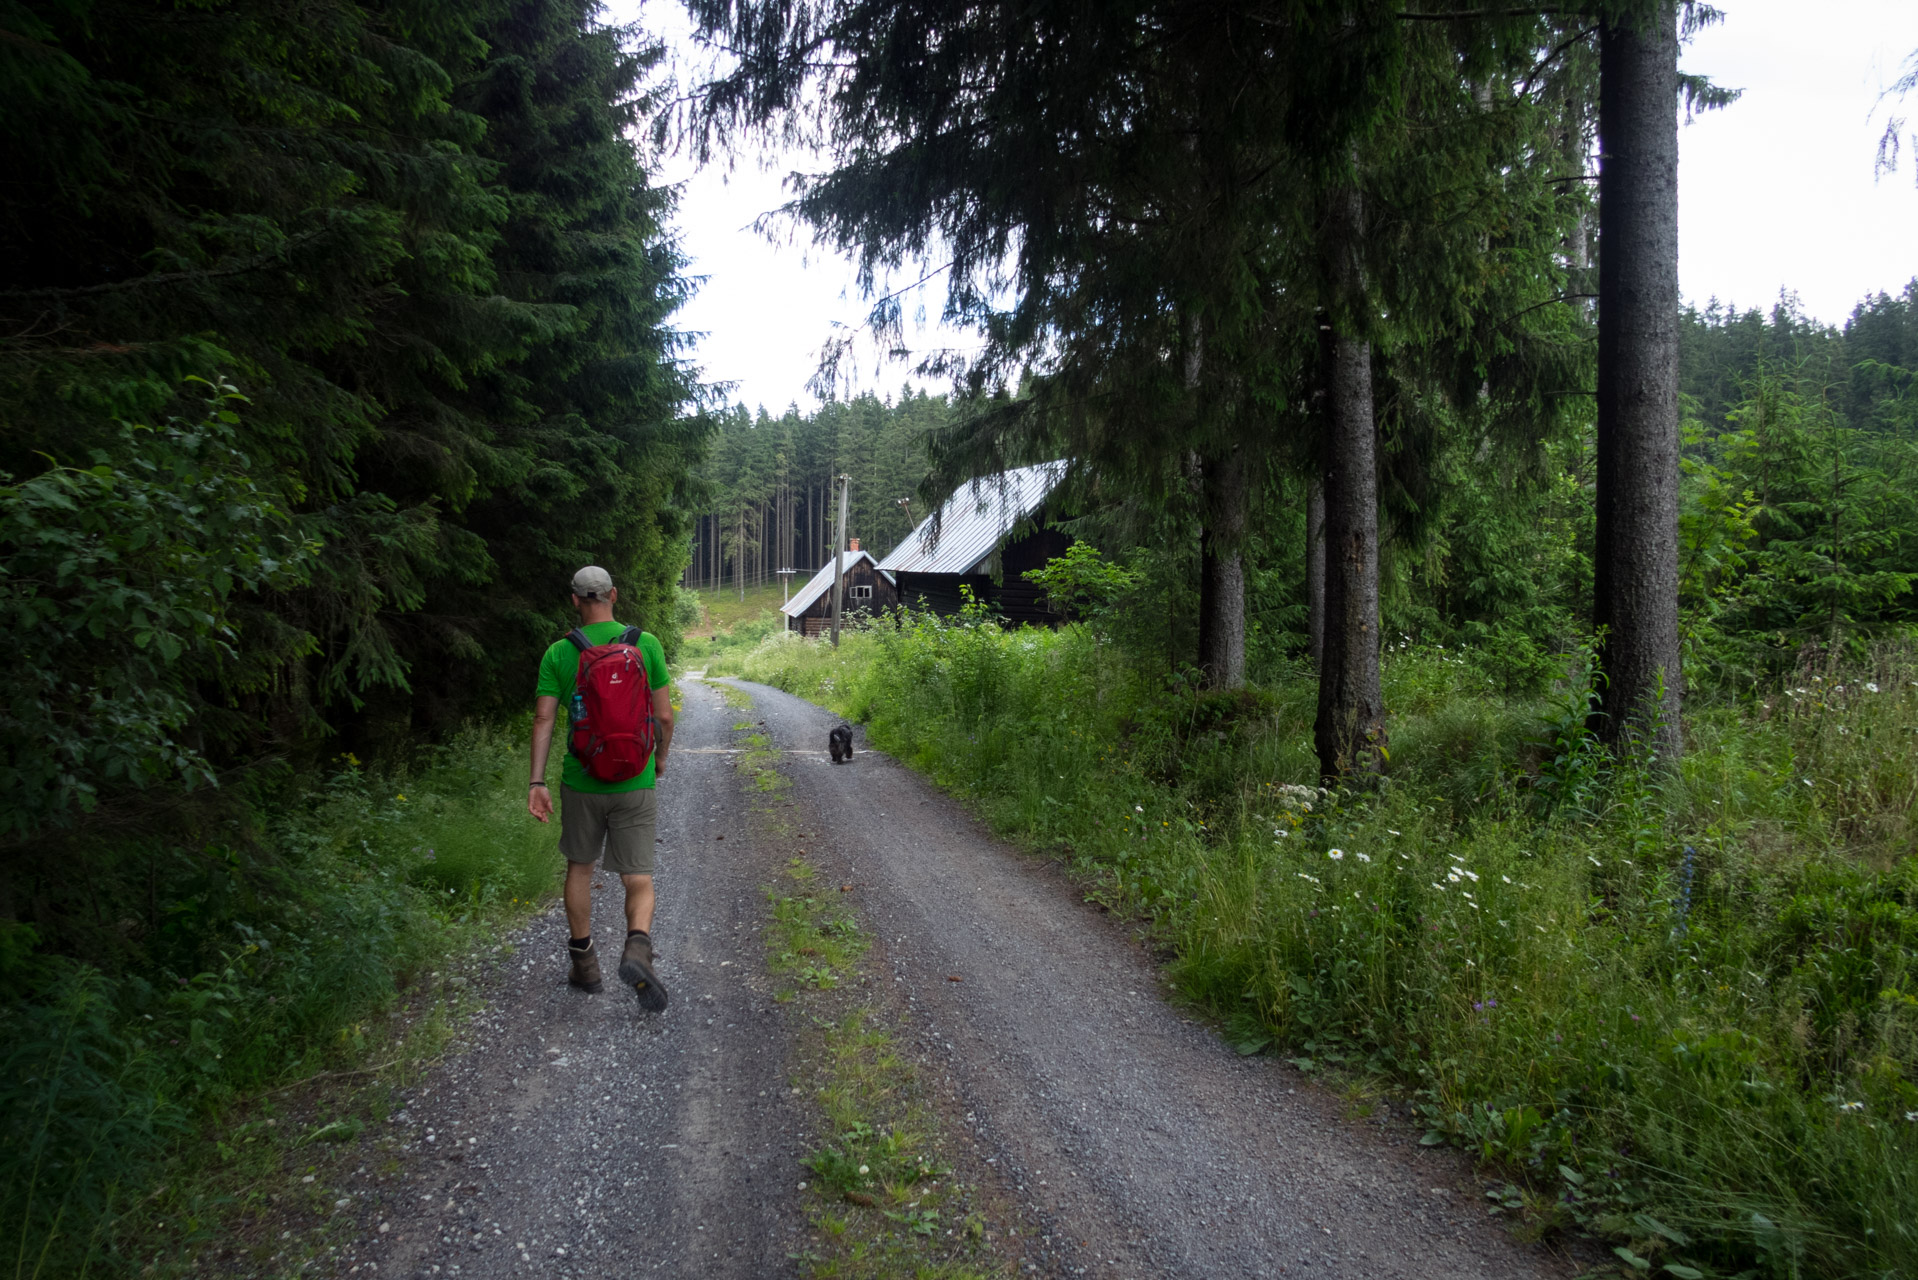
(166, 277)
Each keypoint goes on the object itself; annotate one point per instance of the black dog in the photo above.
(839, 741)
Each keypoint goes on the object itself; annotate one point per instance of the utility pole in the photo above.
(839, 558)
(785, 586)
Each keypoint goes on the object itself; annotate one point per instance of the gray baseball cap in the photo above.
(592, 583)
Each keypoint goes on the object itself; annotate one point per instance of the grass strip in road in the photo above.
(881, 1198)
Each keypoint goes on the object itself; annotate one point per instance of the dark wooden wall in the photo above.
(1018, 601)
(884, 596)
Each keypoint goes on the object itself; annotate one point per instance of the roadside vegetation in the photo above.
(726, 628)
(1676, 1010)
(140, 1079)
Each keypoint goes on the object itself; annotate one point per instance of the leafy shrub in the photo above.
(115, 581)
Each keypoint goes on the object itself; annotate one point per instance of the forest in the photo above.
(769, 485)
(1417, 518)
(333, 339)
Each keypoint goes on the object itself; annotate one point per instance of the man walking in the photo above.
(616, 817)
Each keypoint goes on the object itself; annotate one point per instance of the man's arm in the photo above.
(539, 799)
(662, 727)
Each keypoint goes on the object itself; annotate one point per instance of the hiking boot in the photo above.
(636, 969)
(585, 974)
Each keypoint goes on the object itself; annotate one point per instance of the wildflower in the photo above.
(1806, 781)
(1452, 876)
(1138, 808)
(1871, 686)
(1911, 1117)
(1313, 879)
(1280, 834)
(399, 797)
(1390, 832)
(1470, 875)
(1506, 879)
(1851, 1106)
(1594, 861)
(1361, 857)
(1335, 854)
(863, 1170)
(1441, 889)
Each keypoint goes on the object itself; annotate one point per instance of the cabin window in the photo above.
(862, 591)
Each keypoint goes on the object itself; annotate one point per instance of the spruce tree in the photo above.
(1635, 559)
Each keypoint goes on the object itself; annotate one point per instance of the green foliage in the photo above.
(1082, 583)
(251, 966)
(1796, 529)
(423, 244)
(117, 583)
(1674, 1011)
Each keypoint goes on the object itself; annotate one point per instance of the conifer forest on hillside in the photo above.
(1416, 515)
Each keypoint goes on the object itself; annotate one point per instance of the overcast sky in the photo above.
(1775, 192)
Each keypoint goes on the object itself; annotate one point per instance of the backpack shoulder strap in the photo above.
(629, 636)
(579, 639)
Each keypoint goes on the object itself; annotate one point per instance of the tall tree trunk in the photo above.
(1222, 571)
(1350, 731)
(1635, 558)
(1315, 570)
(1222, 501)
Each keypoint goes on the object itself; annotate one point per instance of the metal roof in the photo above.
(965, 530)
(822, 583)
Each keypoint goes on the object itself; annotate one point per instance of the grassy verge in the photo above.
(154, 1105)
(1675, 1011)
(882, 1200)
(728, 627)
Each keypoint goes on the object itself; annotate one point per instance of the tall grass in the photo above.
(1678, 1010)
(267, 960)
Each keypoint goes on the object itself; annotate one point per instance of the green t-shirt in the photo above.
(557, 672)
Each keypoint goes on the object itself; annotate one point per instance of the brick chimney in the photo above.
(852, 544)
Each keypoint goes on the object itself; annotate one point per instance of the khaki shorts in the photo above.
(621, 824)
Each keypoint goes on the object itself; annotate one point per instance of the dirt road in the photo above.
(587, 1140)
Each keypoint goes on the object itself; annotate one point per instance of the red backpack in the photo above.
(612, 707)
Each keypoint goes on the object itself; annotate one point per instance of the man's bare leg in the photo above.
(636, 958)
(579, 898)
(579, 919)
(639, 903)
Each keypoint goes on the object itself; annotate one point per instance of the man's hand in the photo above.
(662, 728)
(539, 800)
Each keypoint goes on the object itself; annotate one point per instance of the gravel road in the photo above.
(574, 1136)
(1142, 1143)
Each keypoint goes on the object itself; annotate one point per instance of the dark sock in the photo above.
(639, 933)
(580, 944)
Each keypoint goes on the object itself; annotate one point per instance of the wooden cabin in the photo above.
(869, 589)
(986, 536)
